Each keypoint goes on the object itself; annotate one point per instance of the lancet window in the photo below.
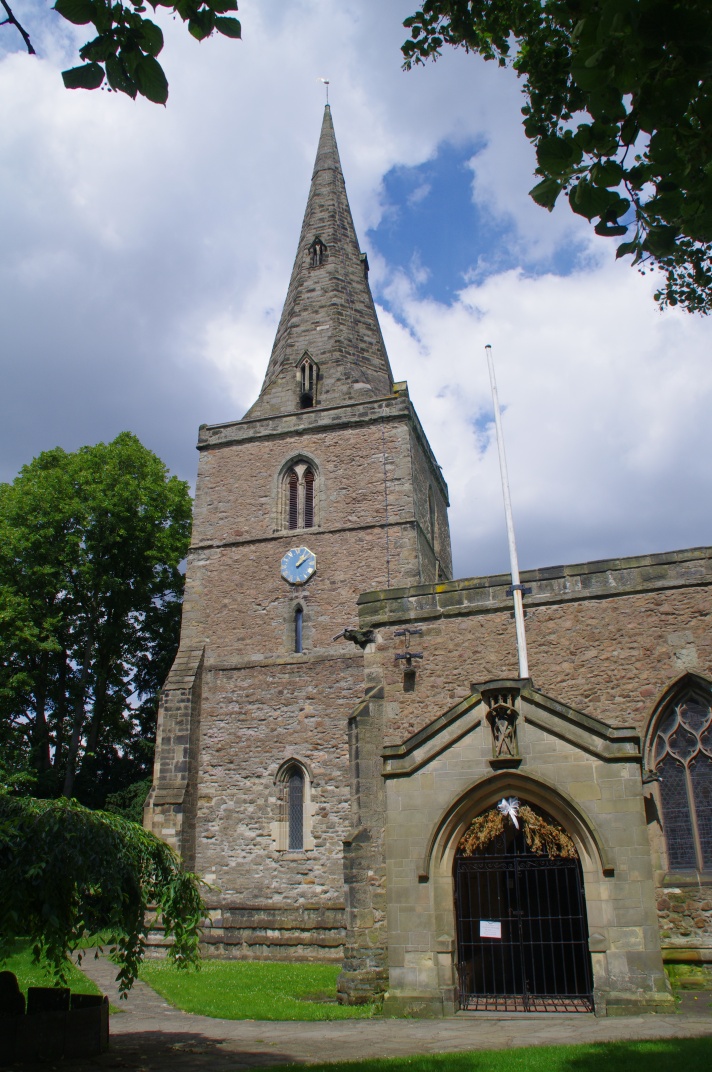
(299, 629)
(299, 497)
(295, 808)
(307, 376)
(293, 829)
(682, 759)
(317, 253)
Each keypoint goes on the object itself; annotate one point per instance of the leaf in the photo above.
(77, 11)
(119, 79)
(151, 80)
(228, 27)
(100, 49)
(610, 230)
(625, 248)
(88, 76)
(591, 201)
(221, 6)
(151, 37)
(556, 155)
(202, 24)
(607, 173)
(546, 192)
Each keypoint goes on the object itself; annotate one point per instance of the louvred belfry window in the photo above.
(298, 490)
(293, 486)
(308, 499)
(682, 757)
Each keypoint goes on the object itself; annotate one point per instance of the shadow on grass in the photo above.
(664, 1055)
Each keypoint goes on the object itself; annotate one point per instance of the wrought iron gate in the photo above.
(522, 933)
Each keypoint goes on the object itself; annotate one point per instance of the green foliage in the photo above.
(619, 107)
(90, 598)
(129, 802)
(243, 990)
(18, 958)
(67, 871)
(123, 52)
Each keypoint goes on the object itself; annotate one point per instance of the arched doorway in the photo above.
(522, 933)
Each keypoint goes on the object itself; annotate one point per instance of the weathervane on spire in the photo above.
(326, 83)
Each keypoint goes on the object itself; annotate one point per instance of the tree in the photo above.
(90, 590)
(619, 107)
(125, 49)
(68, 872)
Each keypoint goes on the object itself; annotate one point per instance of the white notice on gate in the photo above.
(490, 929)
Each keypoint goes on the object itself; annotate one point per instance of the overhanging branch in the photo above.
(12, 21)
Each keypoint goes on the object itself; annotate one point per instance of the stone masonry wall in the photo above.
(263, 704)
(606, 638)
(607, 647)
(435, 554)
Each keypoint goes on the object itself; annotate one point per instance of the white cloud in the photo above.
(146, 254)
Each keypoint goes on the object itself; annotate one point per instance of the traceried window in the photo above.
(682, 758)
(292, 831)
(299, 486)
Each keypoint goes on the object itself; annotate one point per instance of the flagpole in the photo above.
(514, 564)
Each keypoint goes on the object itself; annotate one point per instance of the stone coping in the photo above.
(550, 585)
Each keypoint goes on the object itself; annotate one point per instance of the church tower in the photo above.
(326, 488)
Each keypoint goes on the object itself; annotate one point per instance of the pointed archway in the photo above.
(522, 931)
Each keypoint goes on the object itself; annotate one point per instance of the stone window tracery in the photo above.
(299, 497)
(292, 831)
(682, 759)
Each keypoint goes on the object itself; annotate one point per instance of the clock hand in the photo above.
(302, 559)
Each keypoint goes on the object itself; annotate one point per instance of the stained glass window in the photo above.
(682, 756)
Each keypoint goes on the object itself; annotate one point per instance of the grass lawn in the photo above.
(694, 1055)
(253, 990)
(30, 974)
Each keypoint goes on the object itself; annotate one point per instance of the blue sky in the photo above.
(146, 253)
(434, 232)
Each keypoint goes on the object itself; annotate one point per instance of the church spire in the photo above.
(328, 349)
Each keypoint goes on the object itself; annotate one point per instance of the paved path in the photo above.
(149, 1035)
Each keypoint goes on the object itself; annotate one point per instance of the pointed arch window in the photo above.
(292, 831)
(307, 378)
(318, 253)
(299, 497)
(682, 759)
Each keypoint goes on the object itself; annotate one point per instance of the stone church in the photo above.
(345, 751)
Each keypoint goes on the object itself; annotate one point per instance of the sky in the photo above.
(145, 254)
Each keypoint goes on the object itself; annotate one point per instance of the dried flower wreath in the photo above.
(541, 835)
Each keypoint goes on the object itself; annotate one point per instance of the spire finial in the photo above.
(326, 85)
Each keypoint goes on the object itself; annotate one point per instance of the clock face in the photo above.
(298, 565)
